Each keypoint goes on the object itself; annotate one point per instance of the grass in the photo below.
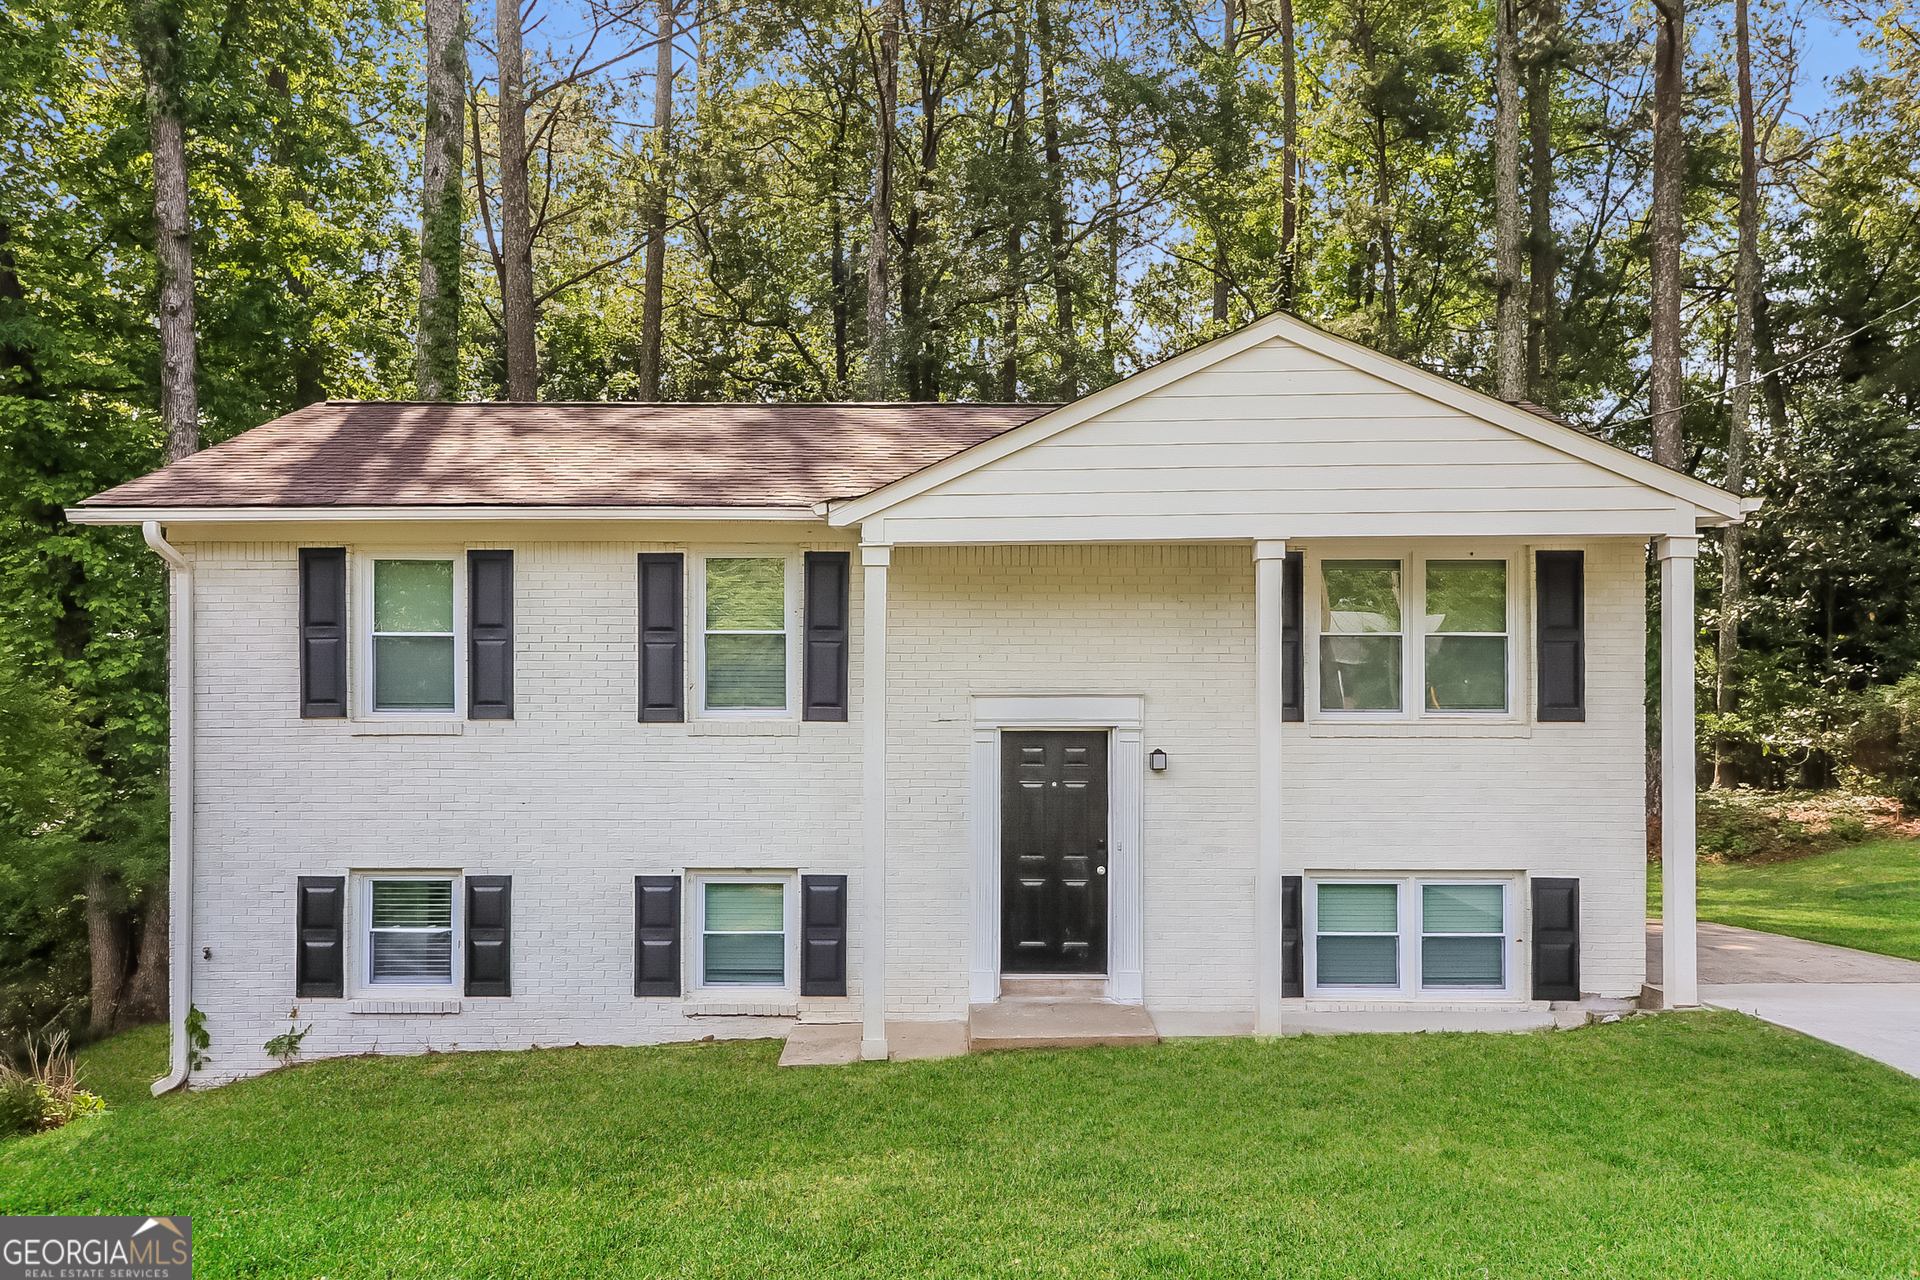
(1685, 1145)
(122, 1070)
(1865, 896)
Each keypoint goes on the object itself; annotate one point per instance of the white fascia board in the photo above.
(307, 515)
(1713, 503)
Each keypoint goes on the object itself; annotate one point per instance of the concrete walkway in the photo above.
(1860, 1001)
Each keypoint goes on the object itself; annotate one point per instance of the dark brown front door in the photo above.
(1053, 852)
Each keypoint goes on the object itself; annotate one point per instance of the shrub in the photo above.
(44, 1091)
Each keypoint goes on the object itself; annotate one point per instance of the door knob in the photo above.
(1101, 870)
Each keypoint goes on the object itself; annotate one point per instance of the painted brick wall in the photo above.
(575, 798)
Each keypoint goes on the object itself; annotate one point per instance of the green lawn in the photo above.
(1865, 896)
(1684, 1145)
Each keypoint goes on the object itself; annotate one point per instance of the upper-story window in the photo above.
(414, 653)
(1428, 633)
(747, 634)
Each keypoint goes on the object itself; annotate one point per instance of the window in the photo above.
(743, 933)
(745, 640)
(410, 932)
(1460, 662)
(1463, 935)
(1466, 625)
(414, 654)
(1360, 635)
(1358, 942)
(1400, 935)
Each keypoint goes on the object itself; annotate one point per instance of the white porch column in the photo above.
(875, 558)
(1679, 942)
(1269, 577)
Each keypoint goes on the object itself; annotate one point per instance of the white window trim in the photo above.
(696, 595)
(363, 631)
(1411, 984)
(789, 920)
(360, 948)
(1413, 558)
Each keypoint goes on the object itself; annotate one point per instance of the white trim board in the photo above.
(1713, 505)
(1122, 715)
(361, 514)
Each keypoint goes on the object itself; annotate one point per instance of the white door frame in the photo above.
(1121, 714)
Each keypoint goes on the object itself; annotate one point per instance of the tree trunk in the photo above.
(1746, 283)
(443, 214)
(1229, 83)
(840, 307)
(1543, 299)
(1669, 175)
(1769, 361)
(1009, 390)
(157, 35)
(1066, 332)
(879, 324)
(652, 299)
(1289, 161)
(1510, 318)
(145, 996)
(516, 218)
(16, 350)
(106, 949)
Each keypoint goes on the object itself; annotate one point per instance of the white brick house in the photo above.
(1277, 679)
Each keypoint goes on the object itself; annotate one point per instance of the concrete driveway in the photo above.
(1855, 999)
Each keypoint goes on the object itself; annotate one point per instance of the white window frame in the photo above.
(363, 628)
(789, 921)
(1411, 916)
(1413, 632)
(361, 957)
(697, 632)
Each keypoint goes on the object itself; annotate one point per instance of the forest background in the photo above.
(933, 199)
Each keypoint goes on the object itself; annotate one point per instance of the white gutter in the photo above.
(180, 806)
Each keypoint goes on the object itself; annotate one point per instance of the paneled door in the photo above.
(1053, 852)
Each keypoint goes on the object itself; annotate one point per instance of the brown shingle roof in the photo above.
(642, 455)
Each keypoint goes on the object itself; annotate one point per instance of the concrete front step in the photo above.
(1054, 987)
(1057, 1024)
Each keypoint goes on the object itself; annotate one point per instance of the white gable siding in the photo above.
(1281, 441)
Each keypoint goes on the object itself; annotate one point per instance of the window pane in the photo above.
(1466, 595)
(1359, 673)
(1359, 596)
(733, 907)
(1359, 908)
(413, 673)
(413, 595)
(412, 904)
(1461, 962)
(416, 959)
(1466, 673)
(757, 958)
(746, 671)
(1358, 962)
(747, 595)
(1462, 908)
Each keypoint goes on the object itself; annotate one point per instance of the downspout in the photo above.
(180, 807)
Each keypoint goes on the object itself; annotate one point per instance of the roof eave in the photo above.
(338, 513)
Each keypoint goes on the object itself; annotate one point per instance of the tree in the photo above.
(443, 215)
(1510, 319)
(1543, 301)
(886, 76)
(1669, 191)
(656, 266)
(157, 36)
(516, 218)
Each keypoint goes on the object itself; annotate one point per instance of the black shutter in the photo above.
(826, 629)
(320, 912)
(1560, 597)
(1293, 952)
(1556, 939)
(823, 935)
(662, 642)
(323, 632)
(489, 635)
(656, 935)
(489, 935)
(1292, 648)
